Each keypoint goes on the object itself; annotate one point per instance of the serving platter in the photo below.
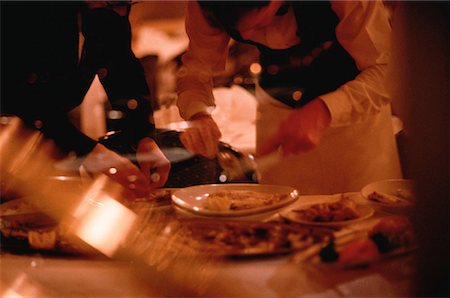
(247, 238)
(201, 199)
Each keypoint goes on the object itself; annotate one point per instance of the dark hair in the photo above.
(225, 14)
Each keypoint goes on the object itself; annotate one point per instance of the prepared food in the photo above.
(343, 209)
(389, 237)
(241, 200)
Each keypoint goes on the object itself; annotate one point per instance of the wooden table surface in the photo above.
(172, 274)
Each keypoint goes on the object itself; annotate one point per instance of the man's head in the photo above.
(245, 16)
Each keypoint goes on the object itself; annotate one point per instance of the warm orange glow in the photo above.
(296, 95)
(114, 114)
(238, 80)
(38, 124)
(132, 104)
(22, 287)
(104, 224)
(255, 68)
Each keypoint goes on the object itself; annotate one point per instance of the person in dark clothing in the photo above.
(45, 74)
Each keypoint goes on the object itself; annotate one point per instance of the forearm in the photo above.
(194, 101)
(206, 55)
(359, 98)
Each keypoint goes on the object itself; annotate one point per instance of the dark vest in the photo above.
(318, 65)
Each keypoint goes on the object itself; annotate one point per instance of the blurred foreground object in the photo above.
(28, 172)
(420, 81)
(94, 215)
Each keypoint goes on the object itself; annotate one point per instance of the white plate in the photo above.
(390, 187)
(193, 198)
(364, 210)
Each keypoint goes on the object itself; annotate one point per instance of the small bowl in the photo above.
(394, 196)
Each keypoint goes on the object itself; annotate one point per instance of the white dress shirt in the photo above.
(363, 30)
(359, 147)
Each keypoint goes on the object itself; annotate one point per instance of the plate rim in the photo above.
(245, 212)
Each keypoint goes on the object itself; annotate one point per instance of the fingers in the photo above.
(153, 163)
(272, 144)
(192, 140)
(202, 137)
(289, 142)
(295, 146)
(209, 140)
(119, 169)
(131, 178)
(160, 176)
(147, 156)
(300, 132)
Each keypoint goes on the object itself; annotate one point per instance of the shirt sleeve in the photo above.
(364, 31)
(206, 54)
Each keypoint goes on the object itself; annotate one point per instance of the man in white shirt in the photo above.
(321, 94)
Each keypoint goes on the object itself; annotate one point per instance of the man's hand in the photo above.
(101, 160)
(301, 131)
(202, 136)
(154, 164)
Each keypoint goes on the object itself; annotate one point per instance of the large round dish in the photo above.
(391, 187)
(248, 238)
(193, 198)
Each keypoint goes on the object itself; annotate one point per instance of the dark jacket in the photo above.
(43, 79)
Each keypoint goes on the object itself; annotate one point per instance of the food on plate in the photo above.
(17, 206)
(359, 251)
(241, 200)
(161, 196)
(401, 196)
(42, 239)
(406, 193)
(23, 227)
(392, 232)
(385, 198)
(390, 236)
(341, 210)
(53, 238)
(36, 236)
(238, 238)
